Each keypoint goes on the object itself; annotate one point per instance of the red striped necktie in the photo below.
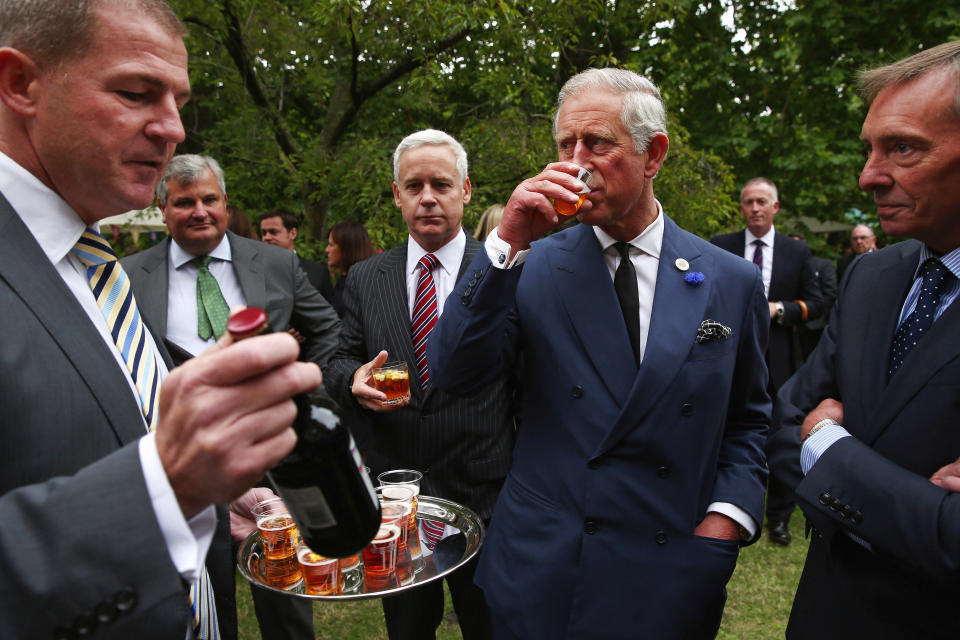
(425, 312)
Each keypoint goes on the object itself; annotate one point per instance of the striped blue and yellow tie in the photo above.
(111, 288)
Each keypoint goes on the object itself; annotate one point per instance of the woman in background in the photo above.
(347, 244)
(489, 219)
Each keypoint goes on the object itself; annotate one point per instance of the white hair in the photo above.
(431, 136)
(186, 169)
(642, 114)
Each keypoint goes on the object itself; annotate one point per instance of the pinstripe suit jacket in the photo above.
(462, 444)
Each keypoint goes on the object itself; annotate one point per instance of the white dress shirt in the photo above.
(749, 248)
(645, 257)
(57, 227)
(182, 293)
(450, 256)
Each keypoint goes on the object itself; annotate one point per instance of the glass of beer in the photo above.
(397, 512)
(279, 537)
(570, 208)
(380, 558)
(410, 479)
(394, 380)
(321, 575)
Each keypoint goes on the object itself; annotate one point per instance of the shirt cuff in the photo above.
(187, 541)
(817, 444)
(736, 514)
(499, 250)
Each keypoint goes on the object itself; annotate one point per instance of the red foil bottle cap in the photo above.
(247, 323)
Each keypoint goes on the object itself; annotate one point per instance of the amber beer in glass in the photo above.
(570, 208)
(380, 558)
(398, 514)
(410, 479)
(321, 575)
(279, 537)
(393, 379)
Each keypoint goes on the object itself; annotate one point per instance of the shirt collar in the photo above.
(649, 241)
(767, 238)
(53, 222)
(179, 256)
(950, 260)
(449, 255)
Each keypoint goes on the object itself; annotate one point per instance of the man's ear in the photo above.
(18, 79)
(656, 154)
(293, 233)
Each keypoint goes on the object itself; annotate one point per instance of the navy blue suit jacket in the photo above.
(875, 485)
(614, 467)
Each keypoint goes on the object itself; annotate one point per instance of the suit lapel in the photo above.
(586, 291)
(783, 260)
(678, 310)
(938, 346)
(151, 294)
(249, 270)
(29, 273)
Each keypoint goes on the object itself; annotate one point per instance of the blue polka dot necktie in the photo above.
(212, 309)
(936, 278)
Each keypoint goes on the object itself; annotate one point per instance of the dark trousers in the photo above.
(416, 614)
(282, 617)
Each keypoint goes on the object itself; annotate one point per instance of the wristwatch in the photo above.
(780, 311)
(820, 425)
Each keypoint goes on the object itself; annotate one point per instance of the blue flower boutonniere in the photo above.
(694, 278)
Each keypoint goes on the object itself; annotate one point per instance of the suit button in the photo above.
(468, 290)
(105, 611)
(85, 624)
(661, 537)
(577, 391)
(590, 527)
(125, 599)
(64, 634)
(663, 472)
(846, 512)
(825, 498)
(686, 409)
(835, 504)
(857, 517)
(594, 464)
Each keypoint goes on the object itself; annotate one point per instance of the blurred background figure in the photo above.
(488, 220)
(863, 240)
(810, 331)
(280, 228)
(239, 223)
(347, 244)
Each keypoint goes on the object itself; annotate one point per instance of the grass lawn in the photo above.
(758, 600)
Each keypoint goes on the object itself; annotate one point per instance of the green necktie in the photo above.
(212, 309)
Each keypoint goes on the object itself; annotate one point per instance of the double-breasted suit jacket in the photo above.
(270, 278)
(461, 443)
(792, 278)
(875, 485)
(614, 466)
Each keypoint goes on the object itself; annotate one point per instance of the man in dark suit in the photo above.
(862, 240)
(638, 469)
(461, 444)
(166, 278)
(793, 298)
(810, 331)
(878, 490)
(104, 526)
(280, 228)
(192, 197)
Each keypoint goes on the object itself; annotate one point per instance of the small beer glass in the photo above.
(380, 558)
(393, 379)
(411, 479)
(279, 537)
(570, 208)
(321, 575)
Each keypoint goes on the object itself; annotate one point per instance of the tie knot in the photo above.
(202, 261)
(429, 262)
(757, 243)
(934, 274)
(623, 248)
(93, 249)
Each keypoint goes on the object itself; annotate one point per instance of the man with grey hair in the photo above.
(638, 471)
(110, 466)
(461, 443)
(880, 490)
(862, 240)
(185, 283)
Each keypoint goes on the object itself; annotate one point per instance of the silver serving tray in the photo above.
(450, 553)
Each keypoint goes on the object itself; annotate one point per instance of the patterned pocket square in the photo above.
(712, 331)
